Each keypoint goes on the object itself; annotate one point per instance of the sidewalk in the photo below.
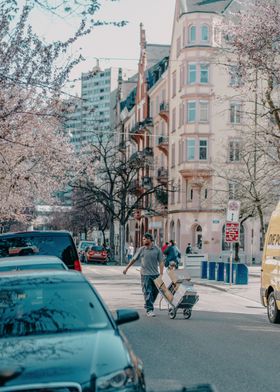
(250, 291)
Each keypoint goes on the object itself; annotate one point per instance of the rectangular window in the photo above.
(191, 112)
(232, 190)
(235, 113)
(192, 34)
(190, 143)
(173, 155)
(181, 117)
(234, 151)
(203, 150)
(235, 77)
(203, 111)
(204, 33)
(174, 84)
(173, 119)
(204, 73)
(191, 73)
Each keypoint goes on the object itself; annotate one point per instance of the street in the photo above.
(228, 341)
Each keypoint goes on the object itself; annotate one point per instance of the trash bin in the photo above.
(241, 274)
(212, 270)
(221, 271)
(228, 272)
(204, 268)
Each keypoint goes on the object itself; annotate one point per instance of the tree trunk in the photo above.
(112, 236)
(122, 243)
(260, 212)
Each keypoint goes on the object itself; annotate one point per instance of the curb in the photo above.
(206, 284)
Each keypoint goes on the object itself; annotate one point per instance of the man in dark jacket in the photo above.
(172, 254)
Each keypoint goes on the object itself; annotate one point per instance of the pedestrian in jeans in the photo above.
(151, 258)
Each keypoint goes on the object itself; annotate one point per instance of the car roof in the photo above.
(36, 233)
(30, 260)
(66, 276)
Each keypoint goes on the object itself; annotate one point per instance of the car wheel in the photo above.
(272, 310)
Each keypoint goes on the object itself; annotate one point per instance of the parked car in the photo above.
(50, 243)
(56, 334)
(97, 254)
(21, 263)
(83, 245)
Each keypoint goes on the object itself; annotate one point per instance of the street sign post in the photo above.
(232, 229)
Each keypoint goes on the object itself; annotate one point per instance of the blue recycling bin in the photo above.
(221, 271)
(241, 274)
(228, 272)
(212, 270)
(204, 268)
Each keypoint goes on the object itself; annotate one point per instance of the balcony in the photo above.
(162, 196)
(162, 175)
(199, 170)
(164, 111)
(135, 187)
(163, 144)
(142, 158)
(147, 182)
(136, 132)
(148, 152)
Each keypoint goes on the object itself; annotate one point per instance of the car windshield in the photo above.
(18, 245)
(19, 267)
(48, 305)
(84, 245)
(97, 248)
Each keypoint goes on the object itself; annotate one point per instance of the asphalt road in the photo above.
(228, 341)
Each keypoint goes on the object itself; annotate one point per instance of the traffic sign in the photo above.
(232, 232)
(233, 210)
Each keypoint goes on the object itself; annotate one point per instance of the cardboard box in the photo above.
(163, 289)
(179, 275)
(181, 292)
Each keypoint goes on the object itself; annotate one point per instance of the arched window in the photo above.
(204, 33)
(172, 231)
(192, 34)
(178, 233)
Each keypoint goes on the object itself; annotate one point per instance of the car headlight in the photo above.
(117, 381)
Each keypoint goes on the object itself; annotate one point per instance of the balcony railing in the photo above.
(162, 173)
(148, 152)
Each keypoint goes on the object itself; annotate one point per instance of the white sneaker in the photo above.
(150, 313)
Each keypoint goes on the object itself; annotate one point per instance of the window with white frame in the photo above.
(233, 188)
(179, 192)
(234, 151)
(234, 76)
(192, 34)
(204, 33)
(173, 155)
(190, 149)
(191, 111)
(174, 84)
(235, 112)
(203, 150)
(203, 111)
(173, 119)
(191, 73)
(204, 73)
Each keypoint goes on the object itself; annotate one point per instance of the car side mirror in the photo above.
(126, 316)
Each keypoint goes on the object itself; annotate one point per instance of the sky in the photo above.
(108, 43)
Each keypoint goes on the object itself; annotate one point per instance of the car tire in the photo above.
(272, 311)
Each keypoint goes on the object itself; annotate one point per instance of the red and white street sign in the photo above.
(233, 211)
(232, 232)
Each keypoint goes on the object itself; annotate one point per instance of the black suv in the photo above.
(51, 243)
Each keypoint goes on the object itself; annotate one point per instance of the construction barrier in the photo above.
(220, 272)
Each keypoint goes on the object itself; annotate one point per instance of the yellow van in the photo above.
(270, 272)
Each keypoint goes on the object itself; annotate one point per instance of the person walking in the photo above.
(130, 252)
(151, 259)
(172, 254)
